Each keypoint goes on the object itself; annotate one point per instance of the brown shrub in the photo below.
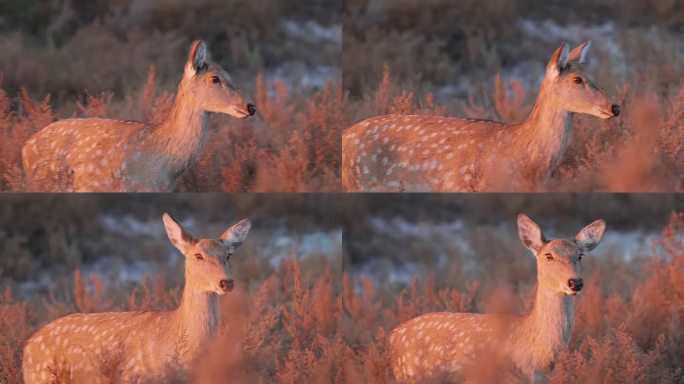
(285, 328)
(639, 151)
(627, 323)
(290, 146)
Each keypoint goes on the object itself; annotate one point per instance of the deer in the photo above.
(443, 344)
(131, 347)
(396, 153)
(106, 155)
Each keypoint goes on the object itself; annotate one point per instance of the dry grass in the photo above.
(484, 59)
(285, 328)
(92, 60)
(290, 145)
(304, 321)
(640, 151)
(286, 297)
(627, 323)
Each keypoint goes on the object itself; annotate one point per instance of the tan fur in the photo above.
(98, 155)
(432, 153)
(131, 347)
(438, 344)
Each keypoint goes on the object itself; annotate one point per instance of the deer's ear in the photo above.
(579, 54)
(558, 61)
(234, 236)
(197, 58)
(530, 234)
(178, 236)
(589, 237)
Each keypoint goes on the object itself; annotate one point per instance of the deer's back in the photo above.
(98, 347)
(81, 154)
(419, 153)
(443, 343)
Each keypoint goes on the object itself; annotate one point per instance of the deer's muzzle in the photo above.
(575, 284)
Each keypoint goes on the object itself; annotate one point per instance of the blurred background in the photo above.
(121, 238)
(453, 238)
(452, 47)
(64, 47)
(124, 59)
(418, 253)
(486, 59)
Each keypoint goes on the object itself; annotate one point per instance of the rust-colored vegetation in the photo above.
(123, 60)
(292, 145)
(484, 59)
(69, 253)
(640, 151)
(304, 321)
(285, 328)
(627, 323)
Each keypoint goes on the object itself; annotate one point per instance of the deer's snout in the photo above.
(575, 284)
(251, 108)
(226, 285)
(615, 109)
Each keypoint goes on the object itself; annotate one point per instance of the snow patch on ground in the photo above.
(313, 32)
(296, 74)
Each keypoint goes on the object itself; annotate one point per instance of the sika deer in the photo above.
(438, 344)
(86, 155)
(431, 153)
(132, 347)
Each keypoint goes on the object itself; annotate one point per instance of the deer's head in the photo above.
(207, 261)
(212, 88)
(559, 261)
(568, 86)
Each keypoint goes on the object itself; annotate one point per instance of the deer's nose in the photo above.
(251, 108)
(615, 109)
(575, 284)
(226, 285)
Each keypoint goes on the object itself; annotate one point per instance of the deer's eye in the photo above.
(199, 256)
(228, 258)
(578, 80)
(549, 257)
(215, 79)
(581, 255)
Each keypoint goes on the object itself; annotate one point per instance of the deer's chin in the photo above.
(603, 114)
(239, 113)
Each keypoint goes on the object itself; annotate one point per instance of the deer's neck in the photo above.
(195, 321)
(547, 328)
(181, 136)
(545, 135)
